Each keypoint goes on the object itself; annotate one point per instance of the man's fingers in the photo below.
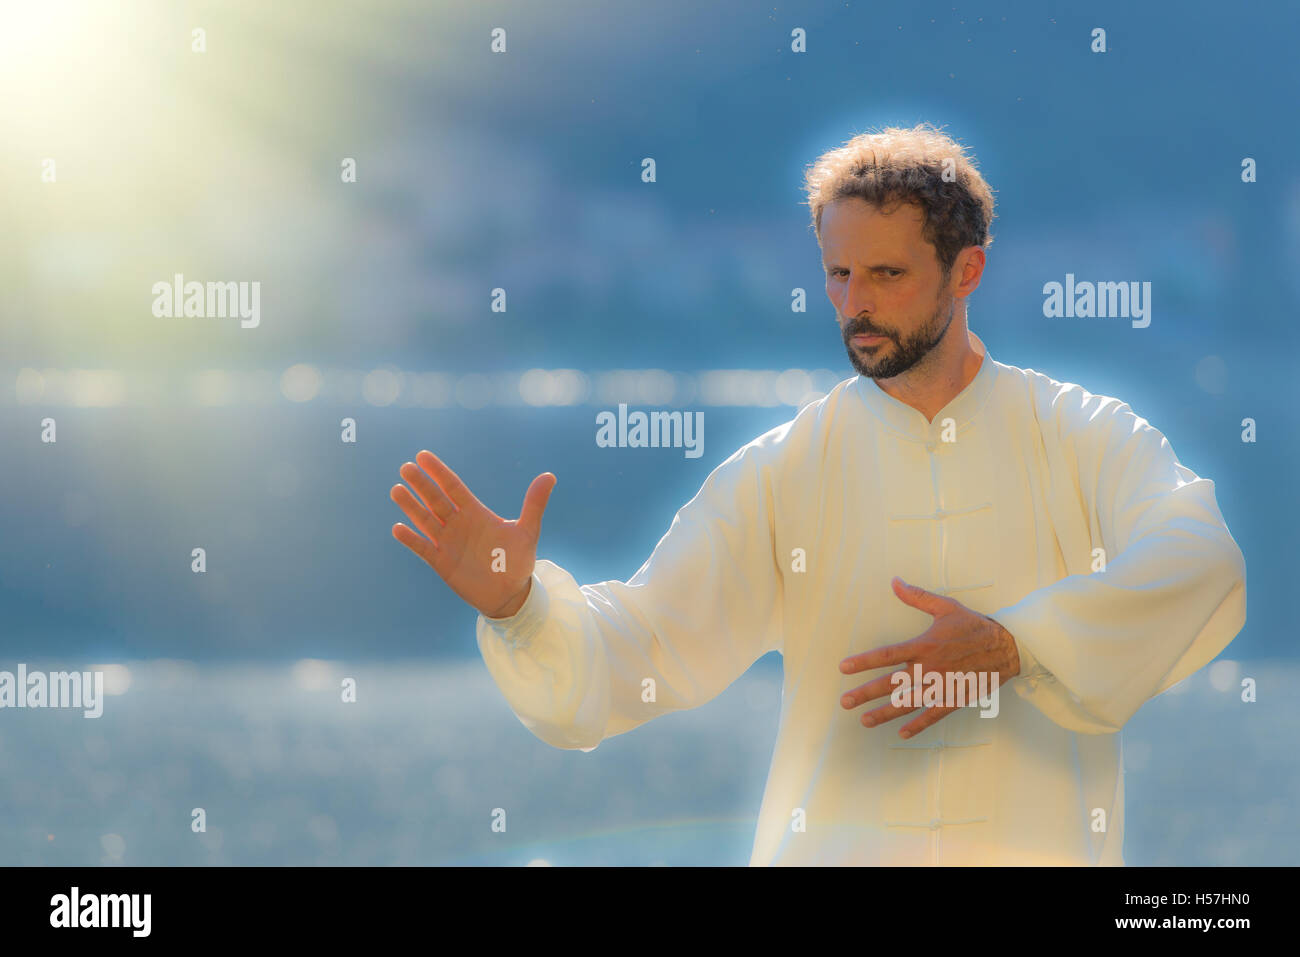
(417, 513)
(883, 714)
(535, 499)
(918, 597)
(447, 480)
(878, 658)
(877, 688)
(416, 543)
(430, 494)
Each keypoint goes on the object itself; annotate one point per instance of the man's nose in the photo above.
(857, 298)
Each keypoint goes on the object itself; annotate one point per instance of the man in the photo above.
(940, 510)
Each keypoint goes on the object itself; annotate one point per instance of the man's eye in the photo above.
(887, 273)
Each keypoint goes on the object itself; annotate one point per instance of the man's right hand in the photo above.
(461, 535)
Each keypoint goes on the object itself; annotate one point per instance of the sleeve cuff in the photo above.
(1021, 620)
(518, 629)
(1029, 666)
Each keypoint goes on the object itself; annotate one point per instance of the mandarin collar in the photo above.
(910, 423)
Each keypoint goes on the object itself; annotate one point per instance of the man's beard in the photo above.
(907, 353)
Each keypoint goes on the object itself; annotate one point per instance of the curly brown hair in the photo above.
(895, 165)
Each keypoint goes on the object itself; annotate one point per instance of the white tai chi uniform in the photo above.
(1001, 502)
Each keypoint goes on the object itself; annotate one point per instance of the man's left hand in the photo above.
(959, 640)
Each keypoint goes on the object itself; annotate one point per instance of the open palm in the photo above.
(485, 559)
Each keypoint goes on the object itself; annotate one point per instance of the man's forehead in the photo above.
(865, 232)
(853, 225)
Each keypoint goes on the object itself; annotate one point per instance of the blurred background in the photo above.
(133, 149)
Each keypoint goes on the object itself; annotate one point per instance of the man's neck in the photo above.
(937, 379)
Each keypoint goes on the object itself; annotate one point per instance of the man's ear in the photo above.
(969, 268)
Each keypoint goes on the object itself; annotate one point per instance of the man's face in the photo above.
(884, 280)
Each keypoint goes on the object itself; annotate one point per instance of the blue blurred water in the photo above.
(98, 529)
(412, 771)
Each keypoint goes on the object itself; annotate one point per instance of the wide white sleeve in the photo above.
(578, 664)
(1173, 591)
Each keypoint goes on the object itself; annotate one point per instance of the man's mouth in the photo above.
(868, 340)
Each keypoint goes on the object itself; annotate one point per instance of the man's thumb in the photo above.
(535, 499)
(918, 597)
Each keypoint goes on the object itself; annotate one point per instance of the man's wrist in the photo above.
(1027, 665)
(529, 618)
(511, 607)
(1017, 663)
